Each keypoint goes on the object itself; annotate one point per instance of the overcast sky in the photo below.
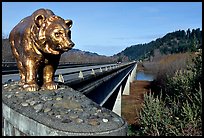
(107, 28)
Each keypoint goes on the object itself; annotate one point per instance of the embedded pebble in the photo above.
(73, 116)
(5, 85)
(9, 96)
(29, 100)
(98, 111)
(61, 88)
(93, 122)
(51, 113)
(58, 116)
(33, 103)
(38, 107)
(105, 120)
(94, 117)
(49, 99)
(66, 121)
(47, 110)
(24, 104)
(79, 109)
(79, 121)
(44, 98)
(58, 98)
(52, 94)
(116, 119)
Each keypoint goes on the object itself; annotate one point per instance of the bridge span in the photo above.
(103, 84)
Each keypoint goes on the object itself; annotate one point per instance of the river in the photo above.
(141, 75)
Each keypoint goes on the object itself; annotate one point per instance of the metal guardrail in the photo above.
(75, 70)
(84, 84)
(105, 94)
(11, 67)
(14, 64)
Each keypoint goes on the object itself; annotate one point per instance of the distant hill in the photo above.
(74, 55)
(78, 56)
(176, 42)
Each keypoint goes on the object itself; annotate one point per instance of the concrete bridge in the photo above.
(103, 84)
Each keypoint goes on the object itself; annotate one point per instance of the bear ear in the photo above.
(69, 23)
(39, 20)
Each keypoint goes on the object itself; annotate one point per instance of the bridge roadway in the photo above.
(72, 71)
(104, 88)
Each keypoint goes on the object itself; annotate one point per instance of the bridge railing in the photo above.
(11, 67)
(111, 85)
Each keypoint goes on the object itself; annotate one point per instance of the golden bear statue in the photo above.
(37, 43)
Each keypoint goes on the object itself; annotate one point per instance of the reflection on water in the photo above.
(141, 75)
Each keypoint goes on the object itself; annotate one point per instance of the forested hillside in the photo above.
(176, 42)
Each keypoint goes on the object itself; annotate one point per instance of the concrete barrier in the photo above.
(61, 112)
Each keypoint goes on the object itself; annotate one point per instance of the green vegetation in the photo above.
(177, 109)
(176, 42)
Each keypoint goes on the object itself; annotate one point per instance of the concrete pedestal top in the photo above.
(58, 112)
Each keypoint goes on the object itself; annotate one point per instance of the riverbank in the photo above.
(131, 104)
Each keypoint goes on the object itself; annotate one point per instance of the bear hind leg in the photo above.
(22, 73)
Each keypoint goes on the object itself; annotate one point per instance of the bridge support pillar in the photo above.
(117, 105)
(133, 73)
(126, 90)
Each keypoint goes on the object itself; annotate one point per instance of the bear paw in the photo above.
(50, 86)
(21, 83)
(31, 87)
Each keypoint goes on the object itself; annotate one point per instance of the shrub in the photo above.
(178, 109)
(156, 119)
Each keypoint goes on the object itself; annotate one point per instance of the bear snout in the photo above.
(67, 47)
(71, 44)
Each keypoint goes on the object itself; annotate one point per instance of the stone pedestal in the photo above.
(61, 112)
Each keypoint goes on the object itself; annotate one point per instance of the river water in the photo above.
(141, 75)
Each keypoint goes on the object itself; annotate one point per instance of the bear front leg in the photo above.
(31, 76)
(48, 78)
